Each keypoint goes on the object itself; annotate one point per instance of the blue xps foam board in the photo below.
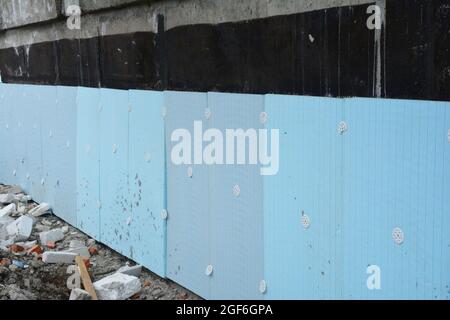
(147, 179)
(188, 231)
(304, 262)
(88, 161)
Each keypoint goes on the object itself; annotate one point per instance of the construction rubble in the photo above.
(43, 258)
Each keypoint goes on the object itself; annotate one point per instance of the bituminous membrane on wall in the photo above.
(314, 48)
(351, 172)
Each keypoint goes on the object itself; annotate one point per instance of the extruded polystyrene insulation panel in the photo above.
(31, 163)
(59, 127)
(115, 204)
(12, 104)
(39, 123)
(121, 172)
(7, 155)
(396, 175)
(208, 225)
(303, 261)
(311, 231)
(236, 219)
(384, 175)
(34, 104)
(147, 180)
(4, 136)
(43, 99)
(88, 161)
(188, 225)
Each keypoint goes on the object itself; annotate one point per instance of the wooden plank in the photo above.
(87, 283)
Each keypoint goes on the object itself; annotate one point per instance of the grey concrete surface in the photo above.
(16, 13)
(92, 5)
(115, 17)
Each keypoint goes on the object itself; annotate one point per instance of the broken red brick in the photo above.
(93, 251)
(5, 262)
(16, 248)
(136, 296)
(184, 296)
(147, 283)
(36, 249)
(51, 245)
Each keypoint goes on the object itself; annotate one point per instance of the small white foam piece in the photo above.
(76, 244)
(7, 198)
(53, 235)
(117, 286)
(40, 210)
(21, 228)
(134, 271)
(62, 257)
(80, 251)
(6, 211)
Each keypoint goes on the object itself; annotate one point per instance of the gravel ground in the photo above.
(23, 276)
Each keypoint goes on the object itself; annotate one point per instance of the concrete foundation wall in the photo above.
(16, 13)
(124, 16)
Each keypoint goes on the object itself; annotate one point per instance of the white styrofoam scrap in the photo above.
(40, 210)
(6, 211)
(21, 228)
(65, 229)
(117, 286)
(79, 294)
(7, 198)
(53, 235)
(134, 271)
(61, 257)
(4, 221)
(21, 208)
(76, 244)
(80, 251)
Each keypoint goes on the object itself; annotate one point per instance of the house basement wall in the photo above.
(94, 110)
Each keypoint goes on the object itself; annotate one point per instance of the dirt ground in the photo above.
(24, 276)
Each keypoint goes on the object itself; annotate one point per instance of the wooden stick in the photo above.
(87, 283)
